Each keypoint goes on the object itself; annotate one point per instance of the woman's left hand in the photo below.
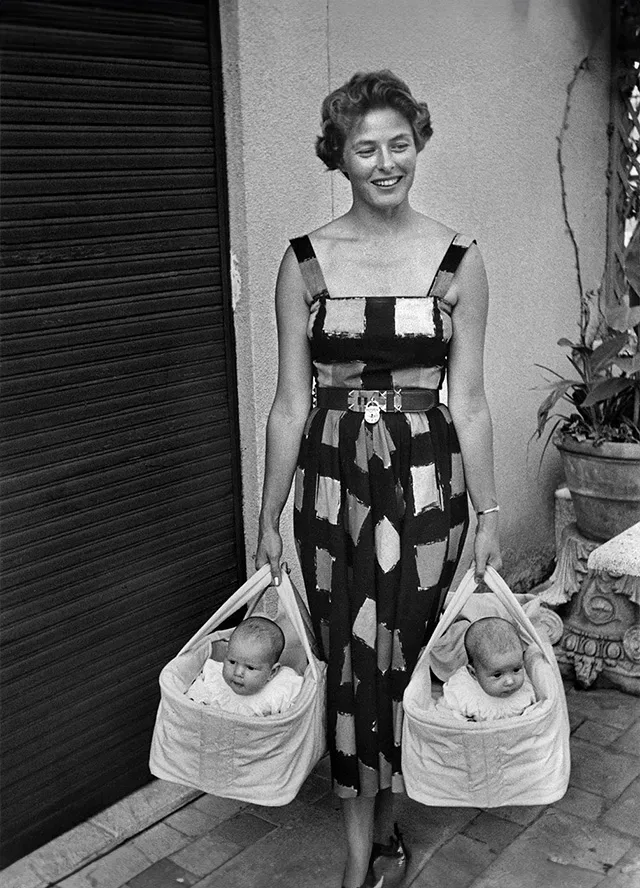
(487, 545)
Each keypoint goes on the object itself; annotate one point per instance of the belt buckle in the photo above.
(376, 403)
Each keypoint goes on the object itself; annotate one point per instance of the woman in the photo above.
(374, 306)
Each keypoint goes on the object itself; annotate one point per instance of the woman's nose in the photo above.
(384, 159)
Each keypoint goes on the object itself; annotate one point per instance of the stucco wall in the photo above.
(495, 74)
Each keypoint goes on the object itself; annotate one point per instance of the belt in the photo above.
(372, 402)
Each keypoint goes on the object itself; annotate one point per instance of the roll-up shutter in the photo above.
(120, 493)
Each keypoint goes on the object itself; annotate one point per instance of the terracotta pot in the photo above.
(604, 482)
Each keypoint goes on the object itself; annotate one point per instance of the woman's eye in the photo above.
(400, 147)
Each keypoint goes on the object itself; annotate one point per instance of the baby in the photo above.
(250, 681)
(494, 684)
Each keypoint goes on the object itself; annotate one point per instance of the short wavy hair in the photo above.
(364, 92)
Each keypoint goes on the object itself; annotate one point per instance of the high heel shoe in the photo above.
(390, 861)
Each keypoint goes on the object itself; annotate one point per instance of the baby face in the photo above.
(502, 675)
(247, 666)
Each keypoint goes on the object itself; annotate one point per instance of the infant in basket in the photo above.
(494, 683)
(250, 680)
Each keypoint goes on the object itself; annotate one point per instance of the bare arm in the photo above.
(468, 403)
(289, 410)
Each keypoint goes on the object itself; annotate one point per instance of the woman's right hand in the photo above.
(269, 551)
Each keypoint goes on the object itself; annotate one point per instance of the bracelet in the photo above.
(486, 511)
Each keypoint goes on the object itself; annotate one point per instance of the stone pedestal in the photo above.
(600, 611)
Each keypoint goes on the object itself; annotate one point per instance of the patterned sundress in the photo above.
(380, 512)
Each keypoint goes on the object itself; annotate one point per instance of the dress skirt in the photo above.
(380, 519)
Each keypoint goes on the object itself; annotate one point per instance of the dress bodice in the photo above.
(379, 342)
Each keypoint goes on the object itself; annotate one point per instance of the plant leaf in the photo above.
(606, 351)
(578, 369)
(557, 393)
(622, 317)
(566, 342)
(606, 389)
(559, 375)
(558, 421)
(629, 365)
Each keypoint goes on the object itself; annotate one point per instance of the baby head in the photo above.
(495, 656)
(252, 655)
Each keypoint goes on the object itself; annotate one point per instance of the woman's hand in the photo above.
(487, 545)
(269, 551)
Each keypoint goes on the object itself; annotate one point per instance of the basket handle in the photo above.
(254, 586)
(498, 586)
(253, 589)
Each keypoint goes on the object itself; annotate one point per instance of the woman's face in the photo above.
(380, 158)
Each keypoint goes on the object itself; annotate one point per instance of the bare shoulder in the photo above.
(432, 230)
(469, 289)
(290, 284)
(337, 229)
(472, 266)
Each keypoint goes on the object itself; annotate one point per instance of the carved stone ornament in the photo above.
(601, 619)
(551, 623)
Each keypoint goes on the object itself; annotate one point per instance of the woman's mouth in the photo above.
(387, 183)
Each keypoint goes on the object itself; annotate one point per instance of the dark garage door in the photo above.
(120, 503)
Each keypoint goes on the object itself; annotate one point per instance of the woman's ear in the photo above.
(471, 669)
(274, 670)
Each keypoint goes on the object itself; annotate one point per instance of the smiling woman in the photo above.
(379, 157)
(374, 307)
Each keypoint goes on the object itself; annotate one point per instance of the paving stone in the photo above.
(575, 720)
(309, 856)
(243, 830)
(629, 741)
(159, 841)
(143, 808)
(286, 815)
(68, 852)
(624, 814)
(456, 864)
(163, 874)
(522, 814)
(601, 771)
(191, 821)
(605, 705)
(557, 851)
(582, 804)
(21, 875)
(323, 768)
(426, 829)
(111, 871)
(218, 809)
(206, 854)
(495, 832)
(626, 873)
(594, 732)
(313, 788)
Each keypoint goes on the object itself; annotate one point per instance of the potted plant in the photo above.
(599, 438)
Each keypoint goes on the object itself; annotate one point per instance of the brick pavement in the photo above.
(590, 838)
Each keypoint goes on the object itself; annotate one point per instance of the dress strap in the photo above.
(449, 265)
(309, 266)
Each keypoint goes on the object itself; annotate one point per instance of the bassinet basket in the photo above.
(522, 760)
(258, 759)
